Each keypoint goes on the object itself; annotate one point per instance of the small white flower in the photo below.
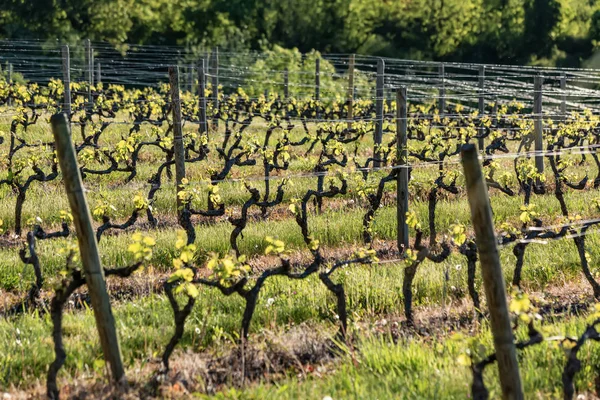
(197, 330)
(18, 332)
(270, 301)
(18, 342)
(327, 398)
(458, 267)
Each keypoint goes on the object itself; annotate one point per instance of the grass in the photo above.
(427, 369)
(381, 369)
(333, 229)
(145, 324)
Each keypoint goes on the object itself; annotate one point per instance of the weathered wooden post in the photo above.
(563, 95)
(318, 79)
(10, 80)
(215, 87)
(538, 125)
(442, 90)
(191, 78)
(350, 91)
(202, 96)
(88, 247)
(286, 84)
(481, 108)
(66, 70)
(402, 173)
(495, 108)
(177, 137)
(318, 85)
(98, 74)
(493, 279)
(92, 82)
(89, 71)
(379, 94)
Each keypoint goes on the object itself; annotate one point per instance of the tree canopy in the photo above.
(541, 32)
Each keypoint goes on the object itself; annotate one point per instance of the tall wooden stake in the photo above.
(480, 140)
(538, 126)
(10, 80)
(98, 73)
(493, 279)
(442, 90)
(92, 80)
(88, 247)
(317, 79)
(286, 84)
(350, 91)
(191, 77)
(66, 70)
(318, 84)
(379, 93)
(215, 87)
(402, 173)
(563, 95)
(202, 95)
(495, 108)
(89, 71)
(177, 136)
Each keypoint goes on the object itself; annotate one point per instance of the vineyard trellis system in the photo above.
(291, 141)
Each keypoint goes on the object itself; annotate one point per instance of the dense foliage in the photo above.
(562, 32)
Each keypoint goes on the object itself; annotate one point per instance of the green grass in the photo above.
(419, 367)
(385, 370)
(332, 228)
(426, 368)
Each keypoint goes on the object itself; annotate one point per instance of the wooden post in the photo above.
(177, 136)
(286, 84)
(88, 247)
(98, 74)
(563, 95)
(318, 84)
(91, 65)
(89, 72)
(10, 80)
(202, 96)
(538, 126)
(480, 140)
(442, 90)
(495, 111)
(402, 173)
(191, 77)
(66, 70)
(493, 279)
(495, 107)
(379, 93)
(317, 79)
(350, 91)
(215, 87)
